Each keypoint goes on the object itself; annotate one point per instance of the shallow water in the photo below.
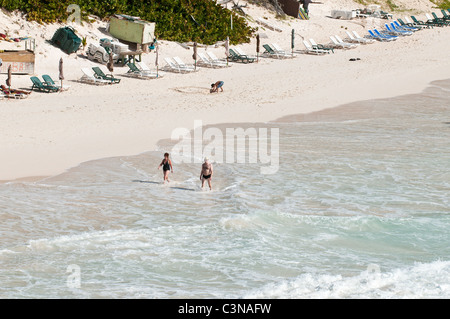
(359, 208)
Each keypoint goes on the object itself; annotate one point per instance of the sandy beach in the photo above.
(47, 134)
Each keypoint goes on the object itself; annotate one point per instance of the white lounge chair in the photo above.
(352, 39)
(358, 37)
(320, 46)
(242, 52)
(215, 59)
(337, 44)
(311, 50)
(89, 77)
(174, 67)
(181, 64)
(350, 45)
(205, 61)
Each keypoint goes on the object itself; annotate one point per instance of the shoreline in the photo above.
(48, 134)
(283, 119)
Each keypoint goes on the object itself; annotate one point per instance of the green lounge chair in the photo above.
(43, 87)
(419, 22)
(49, 81)
(100, 75)
(276, 54)
(240, 58)
(440, 20)
(445, 15)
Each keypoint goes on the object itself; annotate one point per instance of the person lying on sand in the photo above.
(13, 91)
(216, 86)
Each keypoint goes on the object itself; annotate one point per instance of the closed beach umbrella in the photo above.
(110, 64)
(156, 59)
(61, 72)
(292, 40)
(257, 47)
(227, 48)
(8, 79)
(194, 56)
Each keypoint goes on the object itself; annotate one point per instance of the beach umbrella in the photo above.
(292, 40)
(227, 48)
(110, 64)
(156, 59)
(61, 72)
(194, 56)
(8, 79)
(257, 47)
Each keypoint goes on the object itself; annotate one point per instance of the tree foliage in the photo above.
(177, 20)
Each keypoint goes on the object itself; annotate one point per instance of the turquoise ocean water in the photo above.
(359, 208)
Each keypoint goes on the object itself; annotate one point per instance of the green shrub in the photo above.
(177, 20)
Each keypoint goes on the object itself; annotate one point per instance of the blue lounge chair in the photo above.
(385, 35)
(405, 26)
(402, 32)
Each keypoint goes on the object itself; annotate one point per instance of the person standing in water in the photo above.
(206, 173)
(167, 166)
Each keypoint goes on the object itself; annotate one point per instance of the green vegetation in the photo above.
(442, 4)
(177, 20)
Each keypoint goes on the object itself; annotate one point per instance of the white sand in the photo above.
(49, 133)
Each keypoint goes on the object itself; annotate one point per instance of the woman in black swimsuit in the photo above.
(167, 166)
(206, 173)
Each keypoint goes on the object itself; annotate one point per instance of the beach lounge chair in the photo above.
(42, 87)
(357, 36)
(98, 73)
(397, 27)
(350, 45)
(136, 72)
(422, 23)
(147, 71)
(215, 59)
(235, 57)
(311, 50)
(410, 24)
(389, 37)
(445, 15)
(400, 24)
(320, 46)
(240, 51)
(393, 31)
(337, 44)
(49, 81)
(183, 65)
(379, 37)
(275, 54)
(205, 61)
(355, 39)
(174, 67)
(440, 20)
(431, 21)
(89, 77)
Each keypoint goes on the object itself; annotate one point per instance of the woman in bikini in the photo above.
(167, 166)
(206, 173)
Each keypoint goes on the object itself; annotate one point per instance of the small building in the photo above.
(21, 61)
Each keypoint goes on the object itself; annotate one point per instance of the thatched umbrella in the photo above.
(194, 56)
(110, 64)
(61, 72)
(8, 79)
(257, 48)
